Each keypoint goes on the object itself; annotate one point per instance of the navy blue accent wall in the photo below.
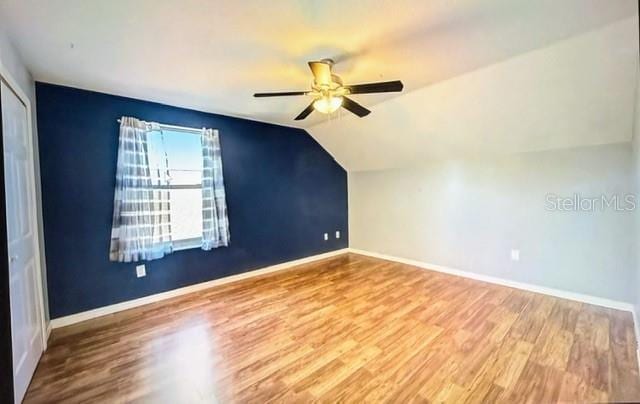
(283, 192)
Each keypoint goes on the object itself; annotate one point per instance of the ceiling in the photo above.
(213, 56)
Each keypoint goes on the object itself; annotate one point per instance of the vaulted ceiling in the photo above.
(480, 75)
(576, 92)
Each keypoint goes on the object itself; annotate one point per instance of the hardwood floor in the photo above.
(346, 329)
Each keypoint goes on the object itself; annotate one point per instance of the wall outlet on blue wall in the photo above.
(337, 233)
(326, 236)
(141, 271)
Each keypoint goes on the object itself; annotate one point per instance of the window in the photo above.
(176, 156)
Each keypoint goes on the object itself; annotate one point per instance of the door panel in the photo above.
(26, 315)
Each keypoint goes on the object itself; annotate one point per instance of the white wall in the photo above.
(636, 181)
(12, 62)
(469, 214)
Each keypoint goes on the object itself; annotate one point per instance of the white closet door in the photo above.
(26, 323)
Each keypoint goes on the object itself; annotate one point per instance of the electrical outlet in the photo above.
(141, 271)
(326, 236)
(337, 233)
(515, 255)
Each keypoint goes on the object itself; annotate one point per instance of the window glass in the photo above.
(181, 152)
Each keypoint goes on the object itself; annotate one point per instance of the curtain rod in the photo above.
(179, 128)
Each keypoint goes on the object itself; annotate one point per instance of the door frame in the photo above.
(6, 342)
(22, 96)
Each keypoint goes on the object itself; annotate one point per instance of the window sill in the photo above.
(188, 244)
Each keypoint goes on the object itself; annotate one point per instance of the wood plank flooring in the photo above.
(346, 329)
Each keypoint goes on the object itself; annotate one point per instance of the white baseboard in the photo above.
(579, 297)
(114, 308)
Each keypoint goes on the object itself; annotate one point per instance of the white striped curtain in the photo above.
(141, 227)
(215, 223)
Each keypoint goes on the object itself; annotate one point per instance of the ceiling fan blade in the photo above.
(381, 87)
(282, 94)
(321, 72)
(352, 106)
(305, 113)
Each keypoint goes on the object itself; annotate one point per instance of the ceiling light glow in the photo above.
(327, 105)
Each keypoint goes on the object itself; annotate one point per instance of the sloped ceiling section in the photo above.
(575, 92)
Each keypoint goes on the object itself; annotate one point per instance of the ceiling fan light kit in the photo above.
(329, 93)
(327, 105)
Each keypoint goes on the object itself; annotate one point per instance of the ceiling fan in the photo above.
(329, 93)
